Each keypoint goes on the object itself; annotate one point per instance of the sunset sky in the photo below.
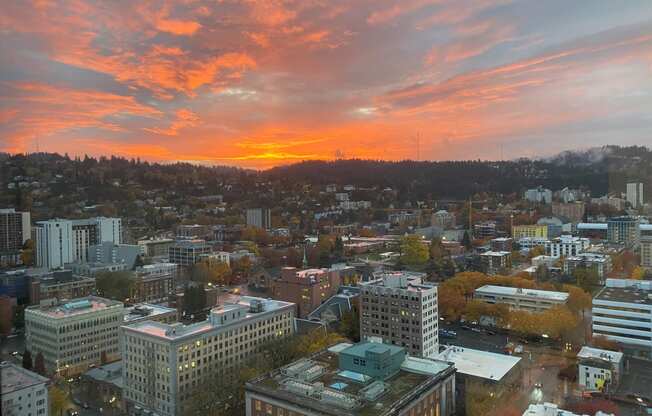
(258, 83)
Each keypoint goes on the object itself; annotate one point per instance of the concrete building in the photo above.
(188, 252)
(496, 262)
(574, 211)
(599, 369)
(635, 194)
(54, 243)
(218, 257)
(530, 300)
(528, 243)
(551, 409)
(164, 363)
(538, 195)
(531, 231)
(110, 253)
(400, 309)
(443, 219)
(355, 380)
(501, 244)
(156, 247)
(556, 226)
(307, 288)
(484, 230)
(24, 393)
(74, 335)
(601, 263)
(622, 312)
(566, 246)
(92, 231)
(149, 312)
(646, 252)
(15, 230)
(624, 230)
(259, 218)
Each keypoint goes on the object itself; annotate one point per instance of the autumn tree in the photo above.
(58, 399)
(413, 251)
(115, 285)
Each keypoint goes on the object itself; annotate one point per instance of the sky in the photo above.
(259, 83)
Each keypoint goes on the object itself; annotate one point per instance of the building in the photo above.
(484, 230)
(601, 263)
(259, 218)
(163, 363)
(355, 380)
(530, 300)
(528, 243)
(218, 257)
(646, 252)
(496, 262)
(624, 230)
(530, 231)
(156, 247)
(574, 211)
(102, 385)
(75, 335)
(15, 230)
(622, 312)
(110, 253)
(193, 231)
(307, 288)
(566, 246)
(400, 309)
(568, 195)
(443, 219)
(551, 409)
(331, 311)
(93, 269)
(54, 243)
(635, 194)
(495, 374)
(501, 244)
(188, 252)
(599, 369)
(60, 285)
(538, 195)
(149, 312)
(92, 231)
(555, 226)
(155, 283)
(24, 393)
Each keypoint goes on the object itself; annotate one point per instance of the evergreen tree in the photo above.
(466, 240)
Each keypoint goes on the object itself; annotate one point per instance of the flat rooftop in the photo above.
(495, 253)
(75, 307)
(546, 409)
(476, 363)
(600, 354)
(16, 378)
(624, 294)
(337, 392)
(146, 311)
(518, 292)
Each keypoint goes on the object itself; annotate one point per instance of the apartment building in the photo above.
(355, 380)
(74, 335)
(307, 288)
(155, 283)
(573, 211)
(530, 231)
(23, 392)
(259, 218)
(163, 364)
(496, 262)
(566, 246)
(599, 369)
(501, 244)
(528, 243)
(400, 309)
(156, 247)
(187, 252)
(624, 230)
(484, 230)
(15, 230)
(92, 231)
(634, 194)
(622, 311)
(601, 263)
(538, 195)
(530, 300)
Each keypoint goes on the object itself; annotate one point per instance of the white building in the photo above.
(74, 335)
(217, 256)
(599, 369)
(164, 363)
(54, 243)
(635, 194)
(528, 243)
(24, 393)
(477, 363)
(539, 195)
(566, 246)
(551, 409)
(399, 309)
(646, 252)
(530, 300)
(622, 311)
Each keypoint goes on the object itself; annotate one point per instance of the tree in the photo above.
(578, 300)
(466, 241)
(638, 273)
(349, 325)
(586, 278)
(27, 360)
(413, 251)
(58, 400)
(27, 253)
(39, 364)
(115, 285)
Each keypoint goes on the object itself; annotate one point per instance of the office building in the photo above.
(188, 252)
(501, 244)
(306, 288)
(15, 230)
(635, 194)
(165, 363)
(601, 263)
(566, 246)
(622, 312)
(484, 230)
(530, 300)
(496, 262)
(443, 219)
(355, 380)
(573, 211)
(156, 247)
(646, 252)
(60, 285)
(528, 243)
(400, 309)
(24, 393)
(92, 231)
(259, 218)
(599, 369)
(54, 243)
(529, 231)
(624, 230)
(155, 283)
(149, 312)
(75, 335)
(538, 195)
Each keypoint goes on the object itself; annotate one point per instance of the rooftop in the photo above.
(482, 364)
(629, 294)
(108, 373)
(600, 354)
(515, 291)
(318, 383)
(145, 311)
(75, 307)
(16, 378)
(496, 253)
(411, 281)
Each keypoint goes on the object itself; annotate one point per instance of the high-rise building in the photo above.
(573, 211)
(539, 195)
(14, 230)
(259, 217)
(624, 230)
(23, 392)
(188, 252)
(355, 380)
(400, 309)
(635, 194)
(54, 243)
(75, 335)
(92, 231)
(164, 363)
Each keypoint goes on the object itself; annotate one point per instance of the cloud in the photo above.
(184, 118)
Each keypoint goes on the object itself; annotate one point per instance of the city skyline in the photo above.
(262, 83)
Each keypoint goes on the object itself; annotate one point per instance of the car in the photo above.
(15, 353)
(476, 330)
(465, 327)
